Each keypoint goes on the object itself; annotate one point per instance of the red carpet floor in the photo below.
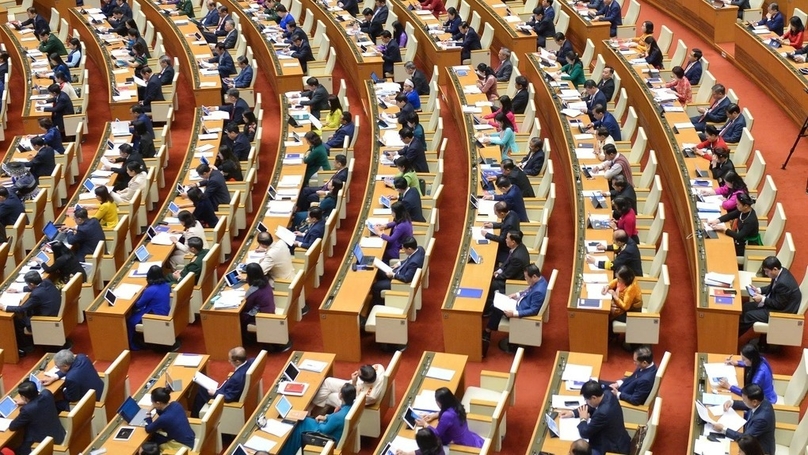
(774, 134)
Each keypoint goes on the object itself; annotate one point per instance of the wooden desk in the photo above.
(185, 396)
(774, 74)
(421, 382)
(581, 29)
(222, 327)
(429, 51)
(343, 38)
(266, 407)
(284, 75)
(716, 324)
(541, 440)
(182, 43)
(715, 23)
(701, 386)
(462, 317)
(506, 34)
(11, 438)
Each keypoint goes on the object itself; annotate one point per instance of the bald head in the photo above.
(238, 355)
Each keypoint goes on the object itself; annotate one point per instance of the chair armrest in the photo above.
(638, 408)
(42, 319)
(781, 377)
(785, 408)
(794, 317)
(157, 317)
(463, 449)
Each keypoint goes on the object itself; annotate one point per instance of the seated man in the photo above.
(626, 253)
(781, 295)
(170, 429)
(195, 247)
(10, 209)
(509, 221)
(391, 53)
(580, 447)
(716, 113)
(44, 300)
(404, 271)
(277, 261)
(315, 230)
(311, 194)
(636, 388)
(410, 198)
(346, 129)
(601, 420)
(38, 417)
(315, 96)
(732, 131)
(215, 185)
(232, 387)
(236, 106)
(79, 376)
(512, 269)
(85, 236)
(759, 415)
(528, 303)
(367, 377)
(511, 195)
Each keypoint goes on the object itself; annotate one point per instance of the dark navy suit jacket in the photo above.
(759, 424)
(415, 152)
(605, 429)
(598, 98)
(40, 419)
(532, 300)
(412, 201)
(316, 231)
(80, 378)
(45, 300)
(338, 138)
(86, 238)
(513, 197)
(234, 386)
(405, 272)
(693, 73)
(471, 42)
(732, 132)
(216, 189)
(173, 421)
(636, 388)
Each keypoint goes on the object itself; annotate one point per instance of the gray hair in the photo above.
(506, 51)
(409, 65)
(63, 358)
(165, 59)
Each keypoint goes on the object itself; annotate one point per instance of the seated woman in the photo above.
(506, 106)
(250, 125)
(145, 144)
(155, 299)
(625, 293)
(401, 229)
(203, 207)
(334, 117)
(452, 425)
(602, 137)
(327, 203)
(405, 171)
(226, 155)
(488, 81)
(746, 228)
(627, 220)
(191, 228)
(428, 443)
(65, 264)
(107, 212)
(681, 85)
(506, 139)
(139, 180)
(756, 370)
(733, 187)
(653, 54)
(794, 34)
(573, 71)
(260, 296)
(330, 425)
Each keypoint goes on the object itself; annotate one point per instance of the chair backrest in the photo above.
(800, 437)
(600, 63)
(389, 393)
(776, 226)
(115, 380)
(632, 14)
(465, 9)
(488, 36)
(629, 124)
(589, 53)
(639, 147)
(252, 383)
(654, 196)
(544, 311)
(649, 172)
(661, 368)
(350, 431)
(182, 293)
(208, 423)
(660, 257)
(70, 300)
(78, 422)
(45, 447)
(787, 251)
(705, 88)
(804, 291)
(766, 197)
(651, 427)
(660, 292)
(621, 104)
(798, 385)
(655, 231)
(510, 387)
(801, 14)
(562, 22)
(744, 148)
(756, 171)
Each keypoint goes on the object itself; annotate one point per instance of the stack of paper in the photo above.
(206, 382)
(717, 371)
(504, 303)
(276, 428)
(286, 235)
(127, 290)
(188, 360)
(580, 373)
(425, 401)
(257, 443)
(280, 208)
(719, 279)
(440, 373)
(312, 365)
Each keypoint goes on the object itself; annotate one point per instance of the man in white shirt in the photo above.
(368, 378)
(277, 261)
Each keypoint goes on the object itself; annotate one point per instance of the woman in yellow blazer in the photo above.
(107, 212)
(625, 293)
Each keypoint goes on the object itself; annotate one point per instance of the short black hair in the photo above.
(160, 395)
(195, 243)
(753, 392)
(591, 389)
(770, 263)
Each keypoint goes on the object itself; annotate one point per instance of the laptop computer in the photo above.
(32, 377)
(132, 413)
(551, 425)
(292, 122)
(272, 192)
(586, 172)
(142, 254)
(290, 372)
(110, 297)
(361, 259)
(7, 406)
(173, 385)
(89, 185)
(43, 256)
(598, 201)
(233, 279)
(474, 256)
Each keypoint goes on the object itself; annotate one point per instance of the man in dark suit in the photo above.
(223, 60)
(517, 177)
(626, 253)
(232, 388)
(716, 113)
(212, 16)
(231, 35)
(610, 12)
(44, 300)
(293, 32)
(471, 41)
(378, 20)
(85, 236)
(601, 420)
(732, 131)
(167, 70)
(315, 96)
(528, 303)
(505, 68)
(235, 105)
(521, 97)
(636, 388)
(154, 89)
(405, 108)
(621, 188)
(240, 143)
(410, 198)
(346, 129)
(404, 271)
(605, 119)
(511, 195)
(509, 221)
(224, 16)
(315, 231)
(60, 105)
(35, 21)
(38, 417)
(512, 268)
(117, 23)
(301, 50)
(782, 295)
(351, 6)
(774, 19)
(534, 161)
(10, 209)
(216, 187)
(127, 10)
(311, 194)
(693, 66)
(414, 150)
(79, 376)
(418, 78)
(606, 84)
(139, 115)
(564, 45)
(594, 97)
(43, 163)
(170, 428)
(391, 53)
(759, 415)
(541, 27)
(245, 76)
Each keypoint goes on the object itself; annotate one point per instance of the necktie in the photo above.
(708, 110)
(725, 128)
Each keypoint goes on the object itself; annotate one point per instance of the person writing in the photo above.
(170, 428)
(428, 443)
(756, 370)
(452, 425)
(759, 416)
(601, 420)
(746, 228)
(38, 417)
